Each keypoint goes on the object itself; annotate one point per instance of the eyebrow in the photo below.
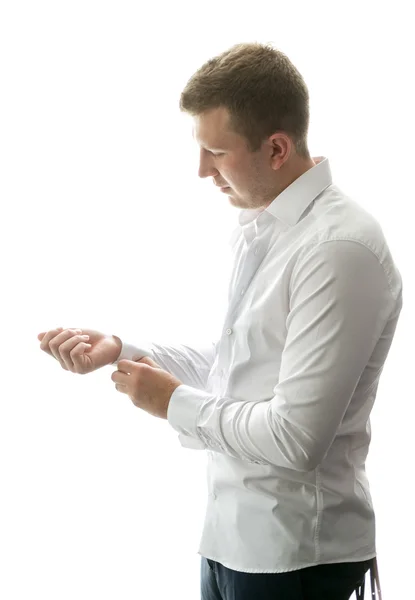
(212, 149)
(207, 148)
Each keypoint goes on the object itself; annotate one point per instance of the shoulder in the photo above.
(343, 233)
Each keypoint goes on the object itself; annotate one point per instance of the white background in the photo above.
(104, 224)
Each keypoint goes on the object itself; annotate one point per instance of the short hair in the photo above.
(261, 89)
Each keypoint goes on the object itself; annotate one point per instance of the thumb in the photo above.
(148, 361)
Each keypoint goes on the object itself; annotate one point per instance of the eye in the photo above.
(219, 154)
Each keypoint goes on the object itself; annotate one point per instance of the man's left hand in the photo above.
(147, 384)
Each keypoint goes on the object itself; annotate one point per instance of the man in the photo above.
(281, 402)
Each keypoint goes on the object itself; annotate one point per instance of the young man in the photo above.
(281, 402)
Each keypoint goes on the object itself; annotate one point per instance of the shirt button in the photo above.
(228, 331)
(242, 291)
(256, 250)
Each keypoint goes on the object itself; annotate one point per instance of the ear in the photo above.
(280, 149)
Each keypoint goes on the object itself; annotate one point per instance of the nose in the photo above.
(206, 167)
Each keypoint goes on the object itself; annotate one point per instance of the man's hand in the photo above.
(74, 354)
(148, 386)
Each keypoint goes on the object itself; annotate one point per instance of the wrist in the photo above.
(118, 348)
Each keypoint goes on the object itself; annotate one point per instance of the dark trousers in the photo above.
(323, 582)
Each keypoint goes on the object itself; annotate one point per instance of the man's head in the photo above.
(250, 108)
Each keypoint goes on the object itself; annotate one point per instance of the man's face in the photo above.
(224, 156)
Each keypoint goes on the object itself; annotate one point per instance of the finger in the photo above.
(149, 361)
(56, 341)
(71, 351)
(126, 366)
(120, 378)
(47, 337)
(80, 358)
(121, 388)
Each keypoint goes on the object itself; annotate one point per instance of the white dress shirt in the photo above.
(281, 402)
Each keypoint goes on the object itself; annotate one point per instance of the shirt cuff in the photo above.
(182, 414)
(130, 352)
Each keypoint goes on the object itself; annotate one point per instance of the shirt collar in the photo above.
(293, 201)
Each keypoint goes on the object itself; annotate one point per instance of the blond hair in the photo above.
(260, 87)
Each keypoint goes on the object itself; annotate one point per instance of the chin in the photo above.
(237, 201)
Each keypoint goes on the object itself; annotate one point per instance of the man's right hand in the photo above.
(77, 354)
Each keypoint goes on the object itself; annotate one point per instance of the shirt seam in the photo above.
(319, 505)
(353, 240)
(372, 250)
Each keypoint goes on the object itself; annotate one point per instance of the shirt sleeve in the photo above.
(340, 305)
(191, 365)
